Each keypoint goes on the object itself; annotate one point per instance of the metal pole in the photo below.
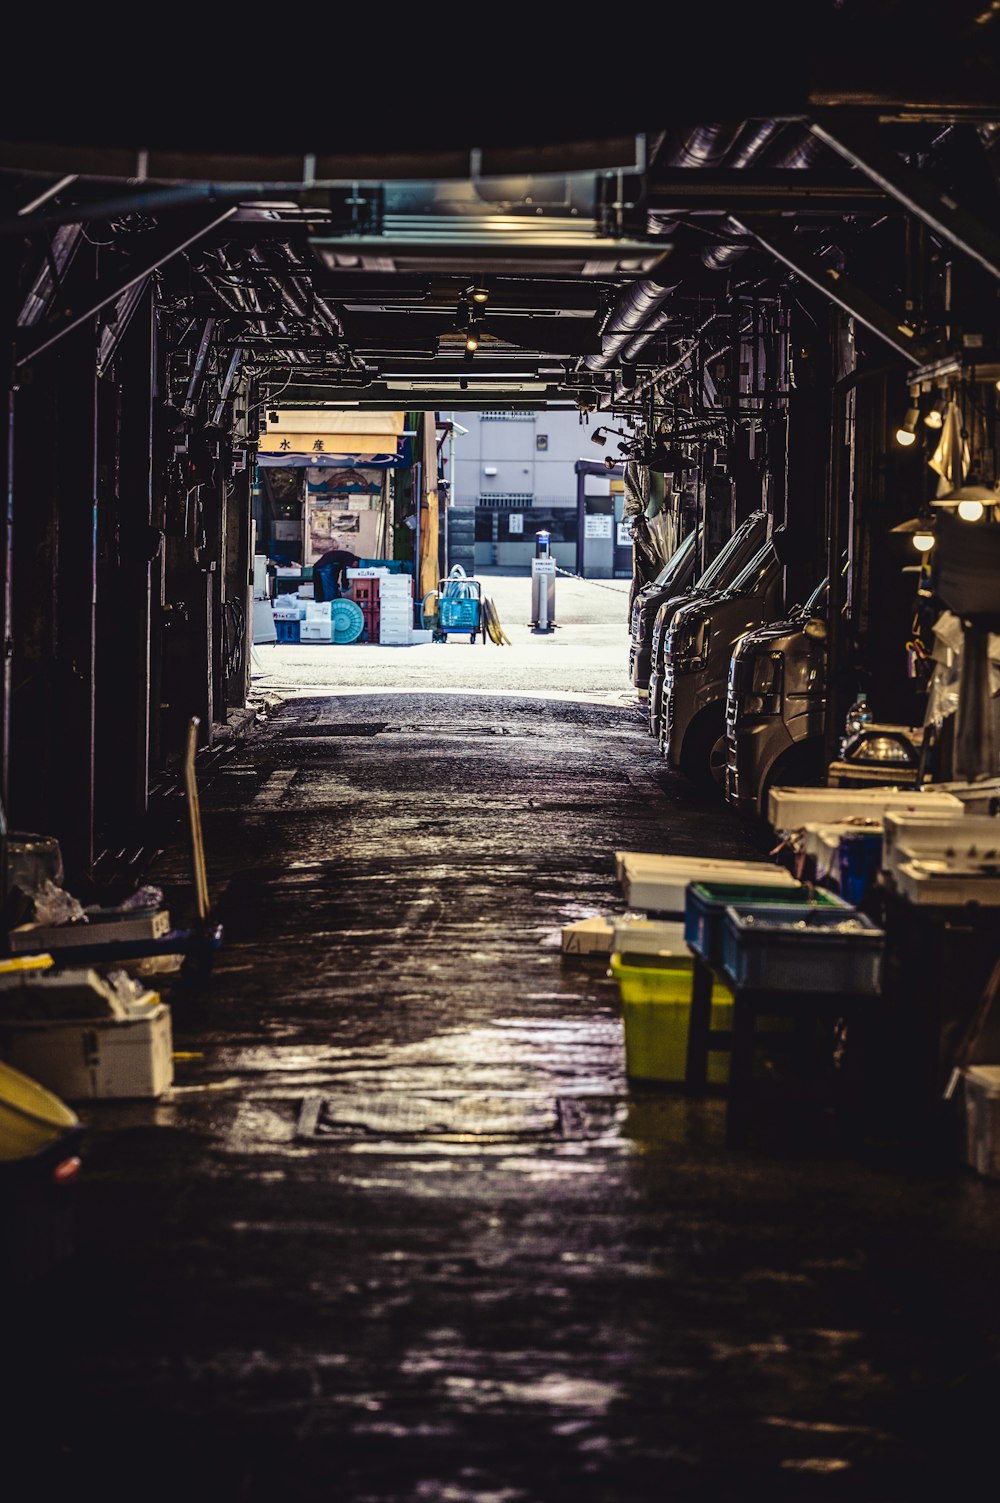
(194, 817)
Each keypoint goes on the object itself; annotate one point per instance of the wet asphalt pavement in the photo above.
(494, 1272)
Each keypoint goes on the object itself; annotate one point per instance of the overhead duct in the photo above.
(797, 153)
(629, 320)
(638, 315)
(705, 145)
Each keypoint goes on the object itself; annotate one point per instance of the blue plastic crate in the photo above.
(706, 903)
(458, 615)
(288, 631)
(802, 949)
(394, 565)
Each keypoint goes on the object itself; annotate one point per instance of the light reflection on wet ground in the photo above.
(507, 1274)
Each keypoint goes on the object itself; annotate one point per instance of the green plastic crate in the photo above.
(706, 904)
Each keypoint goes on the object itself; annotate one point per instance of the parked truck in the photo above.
(731, 559)
(700, 643)
(776, 705)
(673, 580)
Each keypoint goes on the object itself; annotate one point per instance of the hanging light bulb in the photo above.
(923, 541)
(970, 511)
(934, 418)
(906, 433)
(471, 341)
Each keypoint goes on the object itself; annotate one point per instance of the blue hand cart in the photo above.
(459, 607)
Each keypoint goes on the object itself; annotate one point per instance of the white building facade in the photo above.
(518, 470)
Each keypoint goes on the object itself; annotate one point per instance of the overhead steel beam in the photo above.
(758, 191)
(839, 289)
(112, 289)
(916, 191)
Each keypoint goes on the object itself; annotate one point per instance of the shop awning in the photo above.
(401, 457)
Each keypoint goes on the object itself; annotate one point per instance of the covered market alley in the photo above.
(459, 1042)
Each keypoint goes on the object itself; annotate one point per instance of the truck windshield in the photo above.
(676, 561)
(757, 571)
(816, 603)
(732, 557)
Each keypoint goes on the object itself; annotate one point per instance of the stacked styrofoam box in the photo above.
(395, 610)
(318, 625)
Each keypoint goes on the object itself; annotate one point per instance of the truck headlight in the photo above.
(689, 649)
(764, 697)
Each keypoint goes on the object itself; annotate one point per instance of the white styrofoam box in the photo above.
(307, 590)
(591, 936)
(30, 939)
(981, 797)
(396, 618)
(981, 1101)
(901, 824)
(96, 1058)
(644, 936)
(395, 584)
(263, 623)
(420, 634)
(659, 883)
(372, 572)
(260, 580)
(316, 631)
(973, 838)
(946, 884)
(393, 636)
(318, 610)
(976, 837)
(34, 989)
(822, 841)
(791, 808)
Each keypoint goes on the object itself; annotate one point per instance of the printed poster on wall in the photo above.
(597, 526)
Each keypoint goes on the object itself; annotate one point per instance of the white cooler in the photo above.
(791, 808)
(659, 883)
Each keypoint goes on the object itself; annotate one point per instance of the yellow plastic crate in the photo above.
(656, 1006)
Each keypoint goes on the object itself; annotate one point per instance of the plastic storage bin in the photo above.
(656, 1011)
(811, 950)
(705, 910)
(287, 631)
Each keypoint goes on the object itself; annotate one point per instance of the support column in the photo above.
(807, 447)
(238, 589)
(127, 544)
(54, 599)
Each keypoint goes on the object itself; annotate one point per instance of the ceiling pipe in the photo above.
(630, 316)
(705, 145)
(795, 153)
